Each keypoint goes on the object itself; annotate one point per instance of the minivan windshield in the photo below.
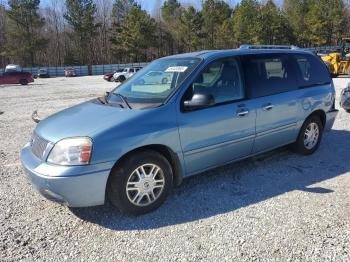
(155, 82)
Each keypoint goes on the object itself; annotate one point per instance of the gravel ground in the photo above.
(278, 206)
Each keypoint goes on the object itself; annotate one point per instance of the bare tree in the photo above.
(55, 30)
(104, 18)
(2, 31)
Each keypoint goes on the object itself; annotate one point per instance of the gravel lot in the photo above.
(279, 206)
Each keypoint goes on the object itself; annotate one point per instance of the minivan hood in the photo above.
(85, 119)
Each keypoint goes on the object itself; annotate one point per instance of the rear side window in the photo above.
(269, 74)
(311, 71)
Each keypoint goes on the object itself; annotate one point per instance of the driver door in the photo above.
(9, 78)
(224, 131)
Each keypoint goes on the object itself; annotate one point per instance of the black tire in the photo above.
(121, 79)
(299, 146)
(118, 179)
(23, 82)
(110, 79)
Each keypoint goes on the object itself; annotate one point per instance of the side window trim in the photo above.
(242, 78)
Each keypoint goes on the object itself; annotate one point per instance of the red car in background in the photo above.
(109, 76)
(15, 77)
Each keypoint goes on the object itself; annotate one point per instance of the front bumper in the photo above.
(330, 119)
(75, 186)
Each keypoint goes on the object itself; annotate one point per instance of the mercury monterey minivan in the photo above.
(215, 107)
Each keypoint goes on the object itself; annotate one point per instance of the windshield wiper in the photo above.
(123, 98)
(103, 100)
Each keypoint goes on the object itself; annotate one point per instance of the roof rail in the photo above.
(268, 47)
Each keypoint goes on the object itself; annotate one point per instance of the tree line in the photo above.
(86, 32)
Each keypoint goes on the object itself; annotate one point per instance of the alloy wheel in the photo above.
(311, 135)
(145, 185)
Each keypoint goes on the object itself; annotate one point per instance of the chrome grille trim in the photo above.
(39, 146)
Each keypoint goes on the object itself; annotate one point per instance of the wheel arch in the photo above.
(23, 81)
(321, 114)
(167, 152)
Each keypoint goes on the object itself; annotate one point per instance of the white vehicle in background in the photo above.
(156, 77)
(13, 68)
(125, 74)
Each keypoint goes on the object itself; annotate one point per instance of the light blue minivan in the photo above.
(179, 116)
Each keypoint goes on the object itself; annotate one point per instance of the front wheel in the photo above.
(141, 183)
(309, 137)
(121, 79)
(23, 82)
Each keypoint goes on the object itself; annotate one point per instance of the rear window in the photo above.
(311, 71)
(268, 74)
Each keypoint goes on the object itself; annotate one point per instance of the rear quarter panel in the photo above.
(314, 98)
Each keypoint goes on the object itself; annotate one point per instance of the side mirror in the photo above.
(198, 101)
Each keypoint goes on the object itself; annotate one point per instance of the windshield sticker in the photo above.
(176, 69)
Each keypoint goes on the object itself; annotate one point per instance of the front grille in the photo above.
(39, 146)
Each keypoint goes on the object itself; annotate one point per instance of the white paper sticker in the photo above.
(176, 69)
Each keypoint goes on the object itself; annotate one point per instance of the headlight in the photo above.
(71, 152)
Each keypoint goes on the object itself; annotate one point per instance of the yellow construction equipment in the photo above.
(338, 58)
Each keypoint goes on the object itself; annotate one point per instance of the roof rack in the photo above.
(268, 47)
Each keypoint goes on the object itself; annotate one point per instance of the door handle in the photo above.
(242, 112)
(268, 107)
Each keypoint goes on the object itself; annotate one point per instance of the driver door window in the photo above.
(221, 79)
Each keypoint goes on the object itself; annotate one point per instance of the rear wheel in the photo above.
(121, 79)
(141, 183)
(23, 82)
(309, 137)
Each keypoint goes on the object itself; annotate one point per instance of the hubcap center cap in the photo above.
(146, 185)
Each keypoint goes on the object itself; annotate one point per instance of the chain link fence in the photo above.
(80, 70)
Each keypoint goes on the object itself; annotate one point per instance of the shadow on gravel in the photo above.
(238, 185)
